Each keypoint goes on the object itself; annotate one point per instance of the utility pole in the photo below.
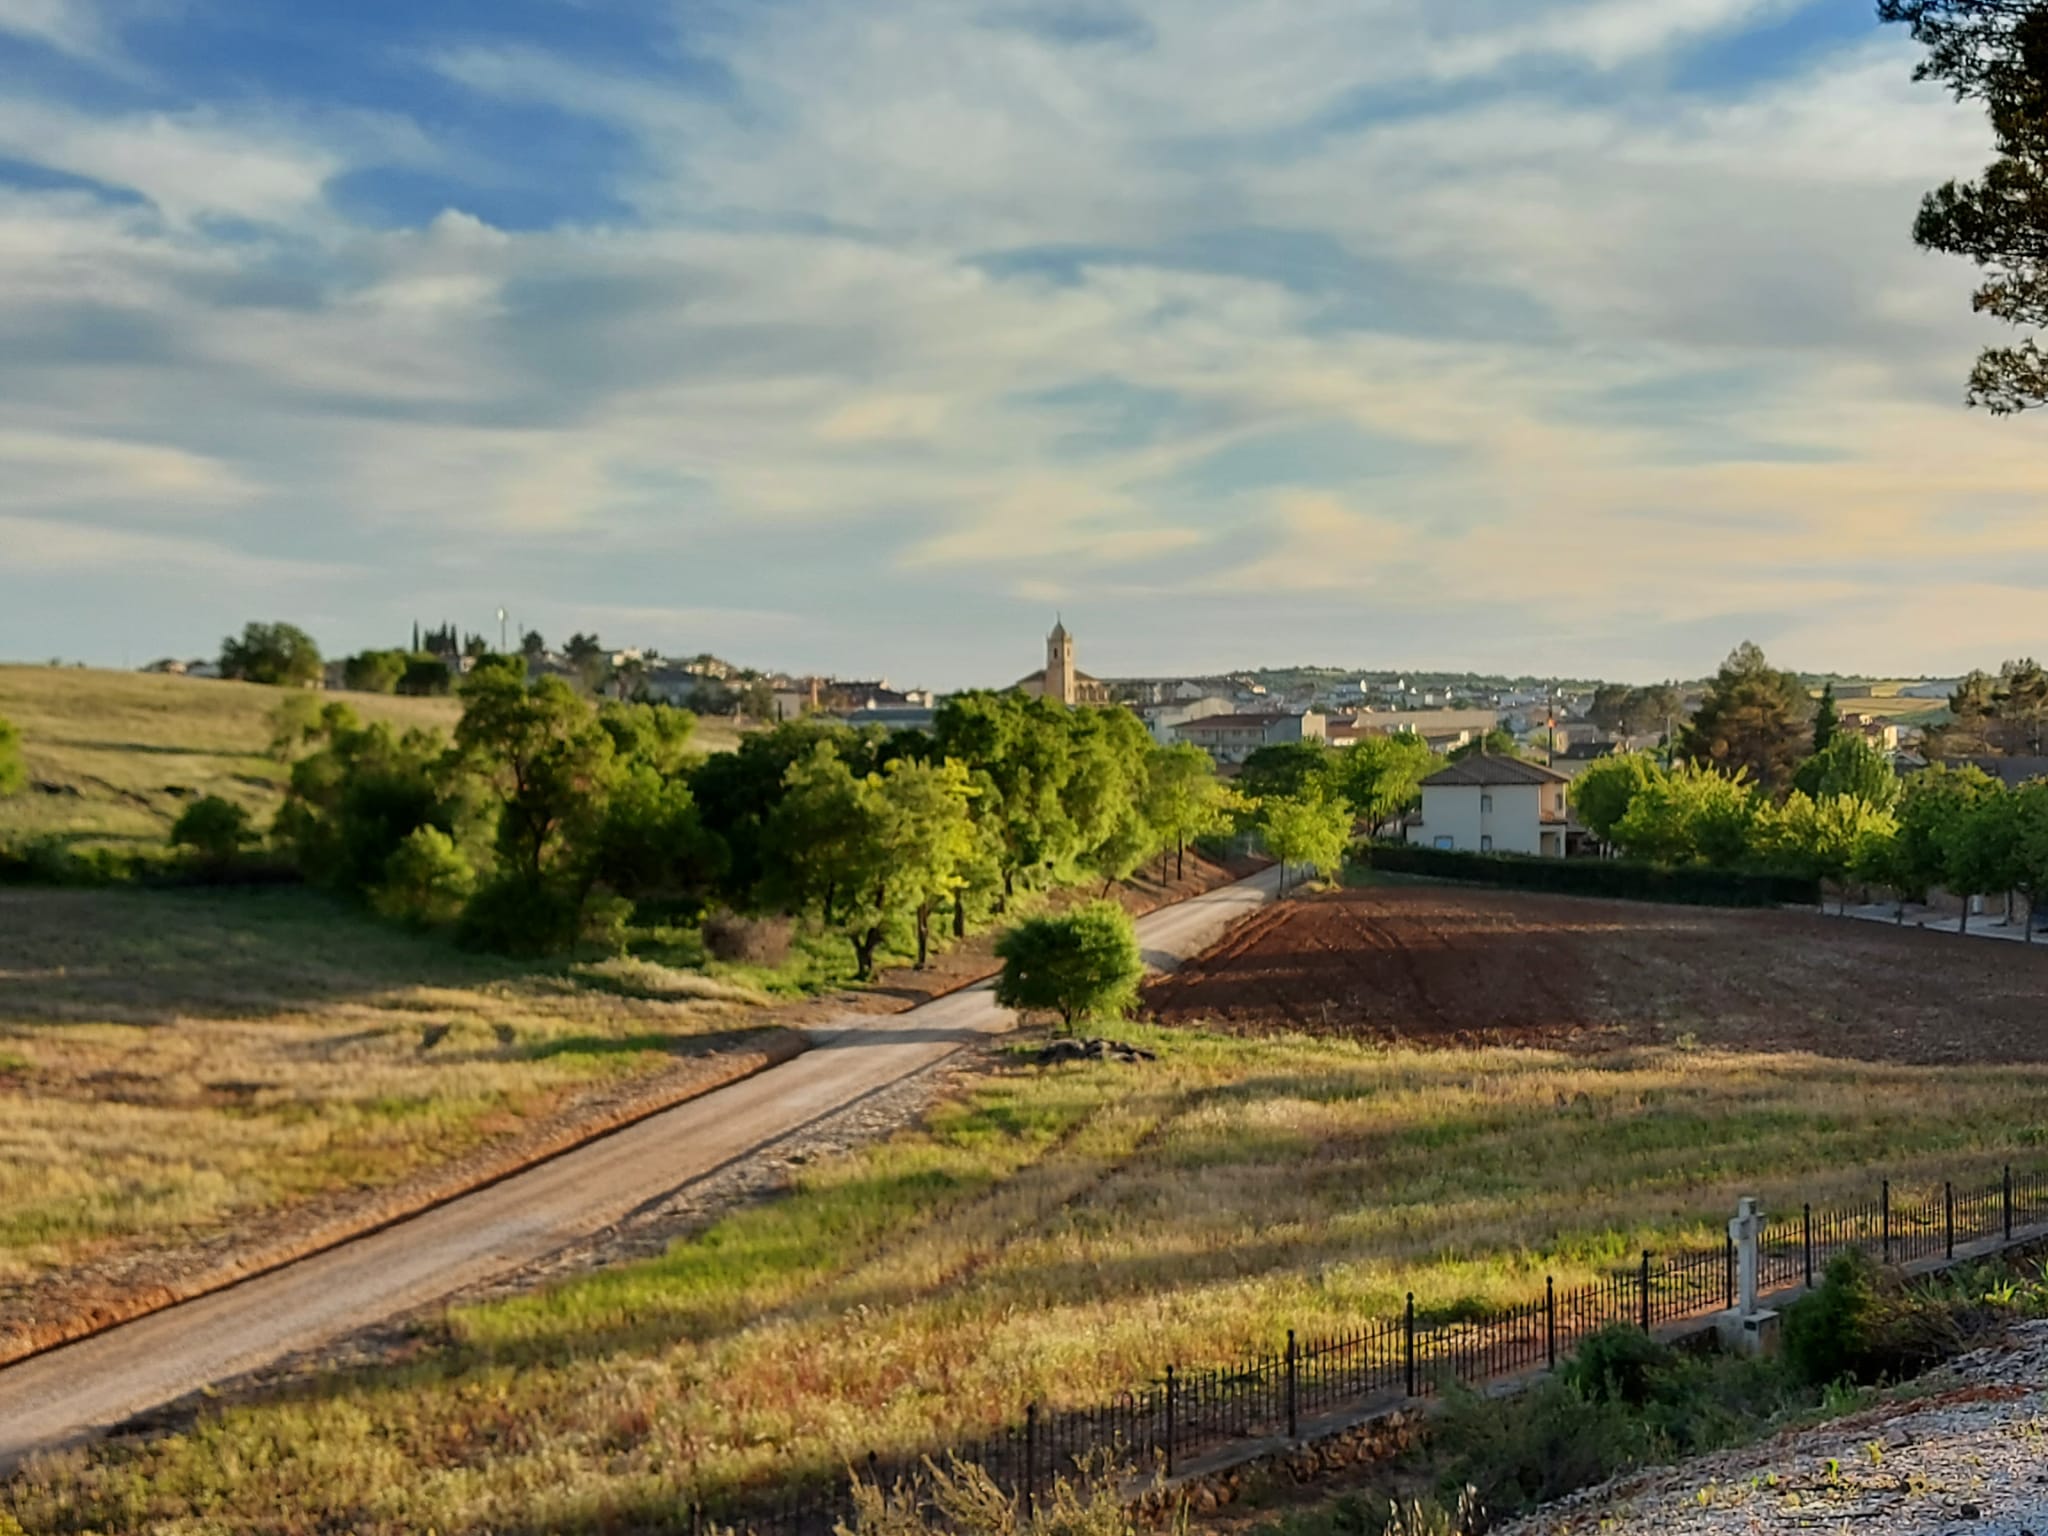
(501, 632)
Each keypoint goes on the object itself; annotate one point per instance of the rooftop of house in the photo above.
(1481, 769)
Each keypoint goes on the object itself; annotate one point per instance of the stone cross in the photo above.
(1745, 1229)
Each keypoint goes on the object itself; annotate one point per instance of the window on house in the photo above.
(1486, 805)
(1447, 842)
(1485, 844)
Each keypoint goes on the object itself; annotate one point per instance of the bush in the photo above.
(516, 917)
(1868, 1325)
(215, 830)
(1619, 1364)
(426, 880)
(738, 940)
(1621, 879)
(1520, 1451)
(1080, 965)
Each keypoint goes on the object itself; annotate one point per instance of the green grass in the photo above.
(175, 1067)
(1057, 1235)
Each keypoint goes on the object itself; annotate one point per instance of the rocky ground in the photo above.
(1971, 1456)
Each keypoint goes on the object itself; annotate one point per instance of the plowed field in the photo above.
(1446, 965)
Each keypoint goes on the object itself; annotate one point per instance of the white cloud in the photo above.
(69, 26)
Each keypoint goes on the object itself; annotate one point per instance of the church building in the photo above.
(1061, 679)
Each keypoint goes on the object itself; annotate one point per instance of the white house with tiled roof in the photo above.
(1484, 804)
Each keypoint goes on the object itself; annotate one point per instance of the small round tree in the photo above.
(1084, 964)
(214, 829)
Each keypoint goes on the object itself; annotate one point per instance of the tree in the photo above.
(1821, 839)
(216, 830)
(650, 841)
(1310, 829)
(929, 837)
(373, 671)
(1104, 796)
(353, 801)
(1689, 815)
(1932, 808)
(1850, 767)
(1752, 721)
(1380, 777)
(532, 646)
(816, 833)
(13, 773)
(1498, 742)
(282, 655)
(1627, 711)
(1286, 771)
(547, 761)
(1981, 855)
(1084, 964)
(1826, 720)
(2028, 808)
(2021, 700)
(1185, 800)
(1603, 793)
(1994, 52)
(427, 880)
(426, 677)
(1026, 748)
(295, 721)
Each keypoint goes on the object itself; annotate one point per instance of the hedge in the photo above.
(1594, 877)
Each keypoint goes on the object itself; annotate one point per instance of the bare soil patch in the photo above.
(1441, 965)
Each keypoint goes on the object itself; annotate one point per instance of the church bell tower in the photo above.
(1059, 665)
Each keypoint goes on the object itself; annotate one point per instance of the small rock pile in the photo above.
(1094, 1049)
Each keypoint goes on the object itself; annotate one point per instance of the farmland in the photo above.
(1552, 1086)
(182, 1072)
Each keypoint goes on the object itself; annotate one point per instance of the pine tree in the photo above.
(1825, 721)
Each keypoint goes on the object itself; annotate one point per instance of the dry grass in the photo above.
(115, 756)
(174, 1064)
(118, 755)
(1057, 1234)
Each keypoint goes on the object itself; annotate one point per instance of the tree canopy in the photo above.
(278, 654)
(1754, 720)
(1994, 52)
(1084, 964)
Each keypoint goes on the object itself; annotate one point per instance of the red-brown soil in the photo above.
(1441, 965)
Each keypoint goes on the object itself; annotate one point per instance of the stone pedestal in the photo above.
(1756, 1333)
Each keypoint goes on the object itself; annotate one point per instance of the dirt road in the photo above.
(71, 1393)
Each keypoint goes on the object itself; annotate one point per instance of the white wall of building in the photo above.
(1471, 818)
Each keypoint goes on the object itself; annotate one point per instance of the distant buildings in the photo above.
(1061, 679)
(1230, 739)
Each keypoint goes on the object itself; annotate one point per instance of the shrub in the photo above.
(1520, 1451)
(738, 940)
(1619, 1364)
(516, 917)
(1868, 1325)
(426, 880)
(215, 830)
(1083, 964)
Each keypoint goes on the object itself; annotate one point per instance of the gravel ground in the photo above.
(1972, 1458)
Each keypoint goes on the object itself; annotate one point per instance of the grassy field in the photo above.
(115, 756)
(174, 1065)
(1061, 1234)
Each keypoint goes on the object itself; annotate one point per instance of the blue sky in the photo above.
(861, 335)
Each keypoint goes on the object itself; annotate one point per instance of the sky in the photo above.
(1580, 337)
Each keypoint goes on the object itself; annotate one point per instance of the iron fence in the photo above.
(1185, 1414)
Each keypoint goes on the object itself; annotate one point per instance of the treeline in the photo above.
(551, 820)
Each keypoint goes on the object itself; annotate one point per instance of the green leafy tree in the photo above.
(1753, 721)
(930, 837)
(2028, 807)
(374, 671)
(1690, 815)
(1824, 840)
(1380, 777)
(1083, 964)
(426, 677)
(1025, 746)
(2022, 705)
(738, 792)
(215, 830)
(532, 646)
(427, 880)
(548, 763)
(1982, 853)
(1994, 52)
(294, 722)
(816, 838)
(1603, 793)
(651, 734)
(1932, 809)
(13, 772)
(1850, 767)
(361, 794)
(280, 654)
(1104, 796)
(1185, 801)
(1286, 771)
(1310, 829)
(1498, 742)
(1827, 719)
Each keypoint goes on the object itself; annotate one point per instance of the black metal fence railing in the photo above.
(1186, 1413)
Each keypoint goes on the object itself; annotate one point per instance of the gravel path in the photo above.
(1972, 1458)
